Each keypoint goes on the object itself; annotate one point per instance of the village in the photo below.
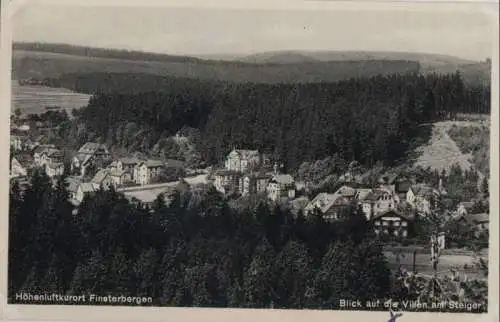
(392, 205)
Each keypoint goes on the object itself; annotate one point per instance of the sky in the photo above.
(191, 31)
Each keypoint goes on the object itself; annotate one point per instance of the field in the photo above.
(34, 99)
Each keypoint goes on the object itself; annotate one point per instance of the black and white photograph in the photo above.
(211, 157)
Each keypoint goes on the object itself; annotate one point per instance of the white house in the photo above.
(102, 179)
(242, 160)
(120, 177)
(145, 171)
(422, 198)
(84, 189)
(54, 169)
(328, 204)
(281, 186)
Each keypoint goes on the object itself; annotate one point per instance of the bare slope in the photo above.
(441, 152)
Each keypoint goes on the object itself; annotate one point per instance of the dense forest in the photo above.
(364, 119)
(195, 250)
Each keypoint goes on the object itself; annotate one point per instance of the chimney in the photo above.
(440, 184)
(275, 168)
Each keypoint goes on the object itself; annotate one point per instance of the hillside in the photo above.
(41, 64)
(423, 58)
(473, 72)
(451, 144)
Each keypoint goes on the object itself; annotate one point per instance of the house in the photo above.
(254, 183)
(299, 205)
(227, 181)
(465, 207)
(347, 192)
(281, 186)
(90, 153)
(84, 189)
(145, 171)
(391, 223)
(40, 153)
(423, 198)
(377, 201)
(328, 205)
(54, 169)
(120, 177)
(16, 143)
(402, 186)
(126, 164)
(21, 165)
(242, 160)
(102, 179)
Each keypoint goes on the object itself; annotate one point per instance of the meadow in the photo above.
(33, 99)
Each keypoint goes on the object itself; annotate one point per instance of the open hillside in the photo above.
(42, 64)
(465, 143)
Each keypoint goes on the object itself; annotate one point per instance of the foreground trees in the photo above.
(189, 253)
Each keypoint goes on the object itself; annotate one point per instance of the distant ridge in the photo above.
(46, 60)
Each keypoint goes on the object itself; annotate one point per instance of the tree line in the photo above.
(371, 120)
(193, 250)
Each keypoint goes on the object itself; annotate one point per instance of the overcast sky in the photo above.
(214, 31)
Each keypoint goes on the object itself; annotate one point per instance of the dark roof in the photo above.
(402, 186)
(24, 159)
(479, 218)
(171, 163)
(392, 213)
(467, 204)
(224, 172)
(423, 190)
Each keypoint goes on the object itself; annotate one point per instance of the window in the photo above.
(396, 224)
(404, 224)
(377, 223)
(405, 233)
(396, 233)
(385, 223)
(377, 231)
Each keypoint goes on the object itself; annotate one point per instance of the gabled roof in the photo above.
(375, 194)
(224, 172)
(246, 154)
(100, 176)
(283, 179)
(129, 160)
(480, 218)
(362, 193)
(423, 190)
(154, 163)
(171, 163)
(324, 201)
(346, 191)
(467, 204)
(73, 183)
(44, 148)
(55, 165)
(25, 160)
(390, 178)
(88, 187)
(117, 173)
(91, 147)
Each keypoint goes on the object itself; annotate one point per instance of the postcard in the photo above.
(250, 160)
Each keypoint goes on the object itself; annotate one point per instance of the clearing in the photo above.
(441, 152)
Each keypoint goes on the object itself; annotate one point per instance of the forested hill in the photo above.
(45, 60)
(41, 65)
(367, 119)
